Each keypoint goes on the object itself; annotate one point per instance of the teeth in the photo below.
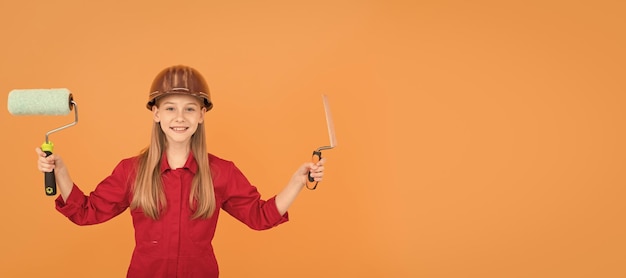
(179, 128)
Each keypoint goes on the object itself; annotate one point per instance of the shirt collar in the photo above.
(190, 164)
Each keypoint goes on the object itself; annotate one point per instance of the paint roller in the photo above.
(317, 154)
(55, 102)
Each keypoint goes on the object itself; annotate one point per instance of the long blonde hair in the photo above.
(148, 193)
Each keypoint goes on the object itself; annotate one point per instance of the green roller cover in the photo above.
(40, 101)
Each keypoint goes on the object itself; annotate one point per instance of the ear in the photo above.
(202, 113)
(155, 114)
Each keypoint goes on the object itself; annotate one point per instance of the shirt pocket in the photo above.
(148, 232)
(199, 236)
(201, 231)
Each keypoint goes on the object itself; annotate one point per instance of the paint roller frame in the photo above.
(50, 184)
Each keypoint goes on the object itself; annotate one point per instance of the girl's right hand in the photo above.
(47, 164)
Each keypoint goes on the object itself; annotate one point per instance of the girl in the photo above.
(174, 188)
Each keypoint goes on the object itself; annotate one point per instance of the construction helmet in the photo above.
(179, 80)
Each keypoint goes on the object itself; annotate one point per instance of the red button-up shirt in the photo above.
(174, 245)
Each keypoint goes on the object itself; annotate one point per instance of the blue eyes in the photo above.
(190, 109)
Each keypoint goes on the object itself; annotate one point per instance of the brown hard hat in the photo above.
(179, 80)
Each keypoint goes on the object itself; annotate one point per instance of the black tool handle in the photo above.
(50, 184)
(317, 156)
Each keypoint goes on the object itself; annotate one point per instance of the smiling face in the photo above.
(179, 116)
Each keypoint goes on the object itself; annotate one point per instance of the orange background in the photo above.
(476, 138)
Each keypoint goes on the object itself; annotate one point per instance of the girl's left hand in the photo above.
(316, 170)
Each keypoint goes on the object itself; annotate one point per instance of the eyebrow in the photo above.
(188, 103)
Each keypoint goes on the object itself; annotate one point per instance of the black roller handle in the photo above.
(317, 156)
(50, 183)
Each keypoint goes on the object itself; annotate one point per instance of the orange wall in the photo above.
(475, 140)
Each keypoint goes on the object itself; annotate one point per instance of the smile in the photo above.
(179, 128)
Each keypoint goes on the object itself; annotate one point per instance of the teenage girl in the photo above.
(175, 188)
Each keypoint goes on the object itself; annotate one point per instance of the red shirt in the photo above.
(174, 245)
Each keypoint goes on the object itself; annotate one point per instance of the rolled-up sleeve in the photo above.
(109, 199)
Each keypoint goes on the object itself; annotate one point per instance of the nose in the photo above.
(179, 116)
